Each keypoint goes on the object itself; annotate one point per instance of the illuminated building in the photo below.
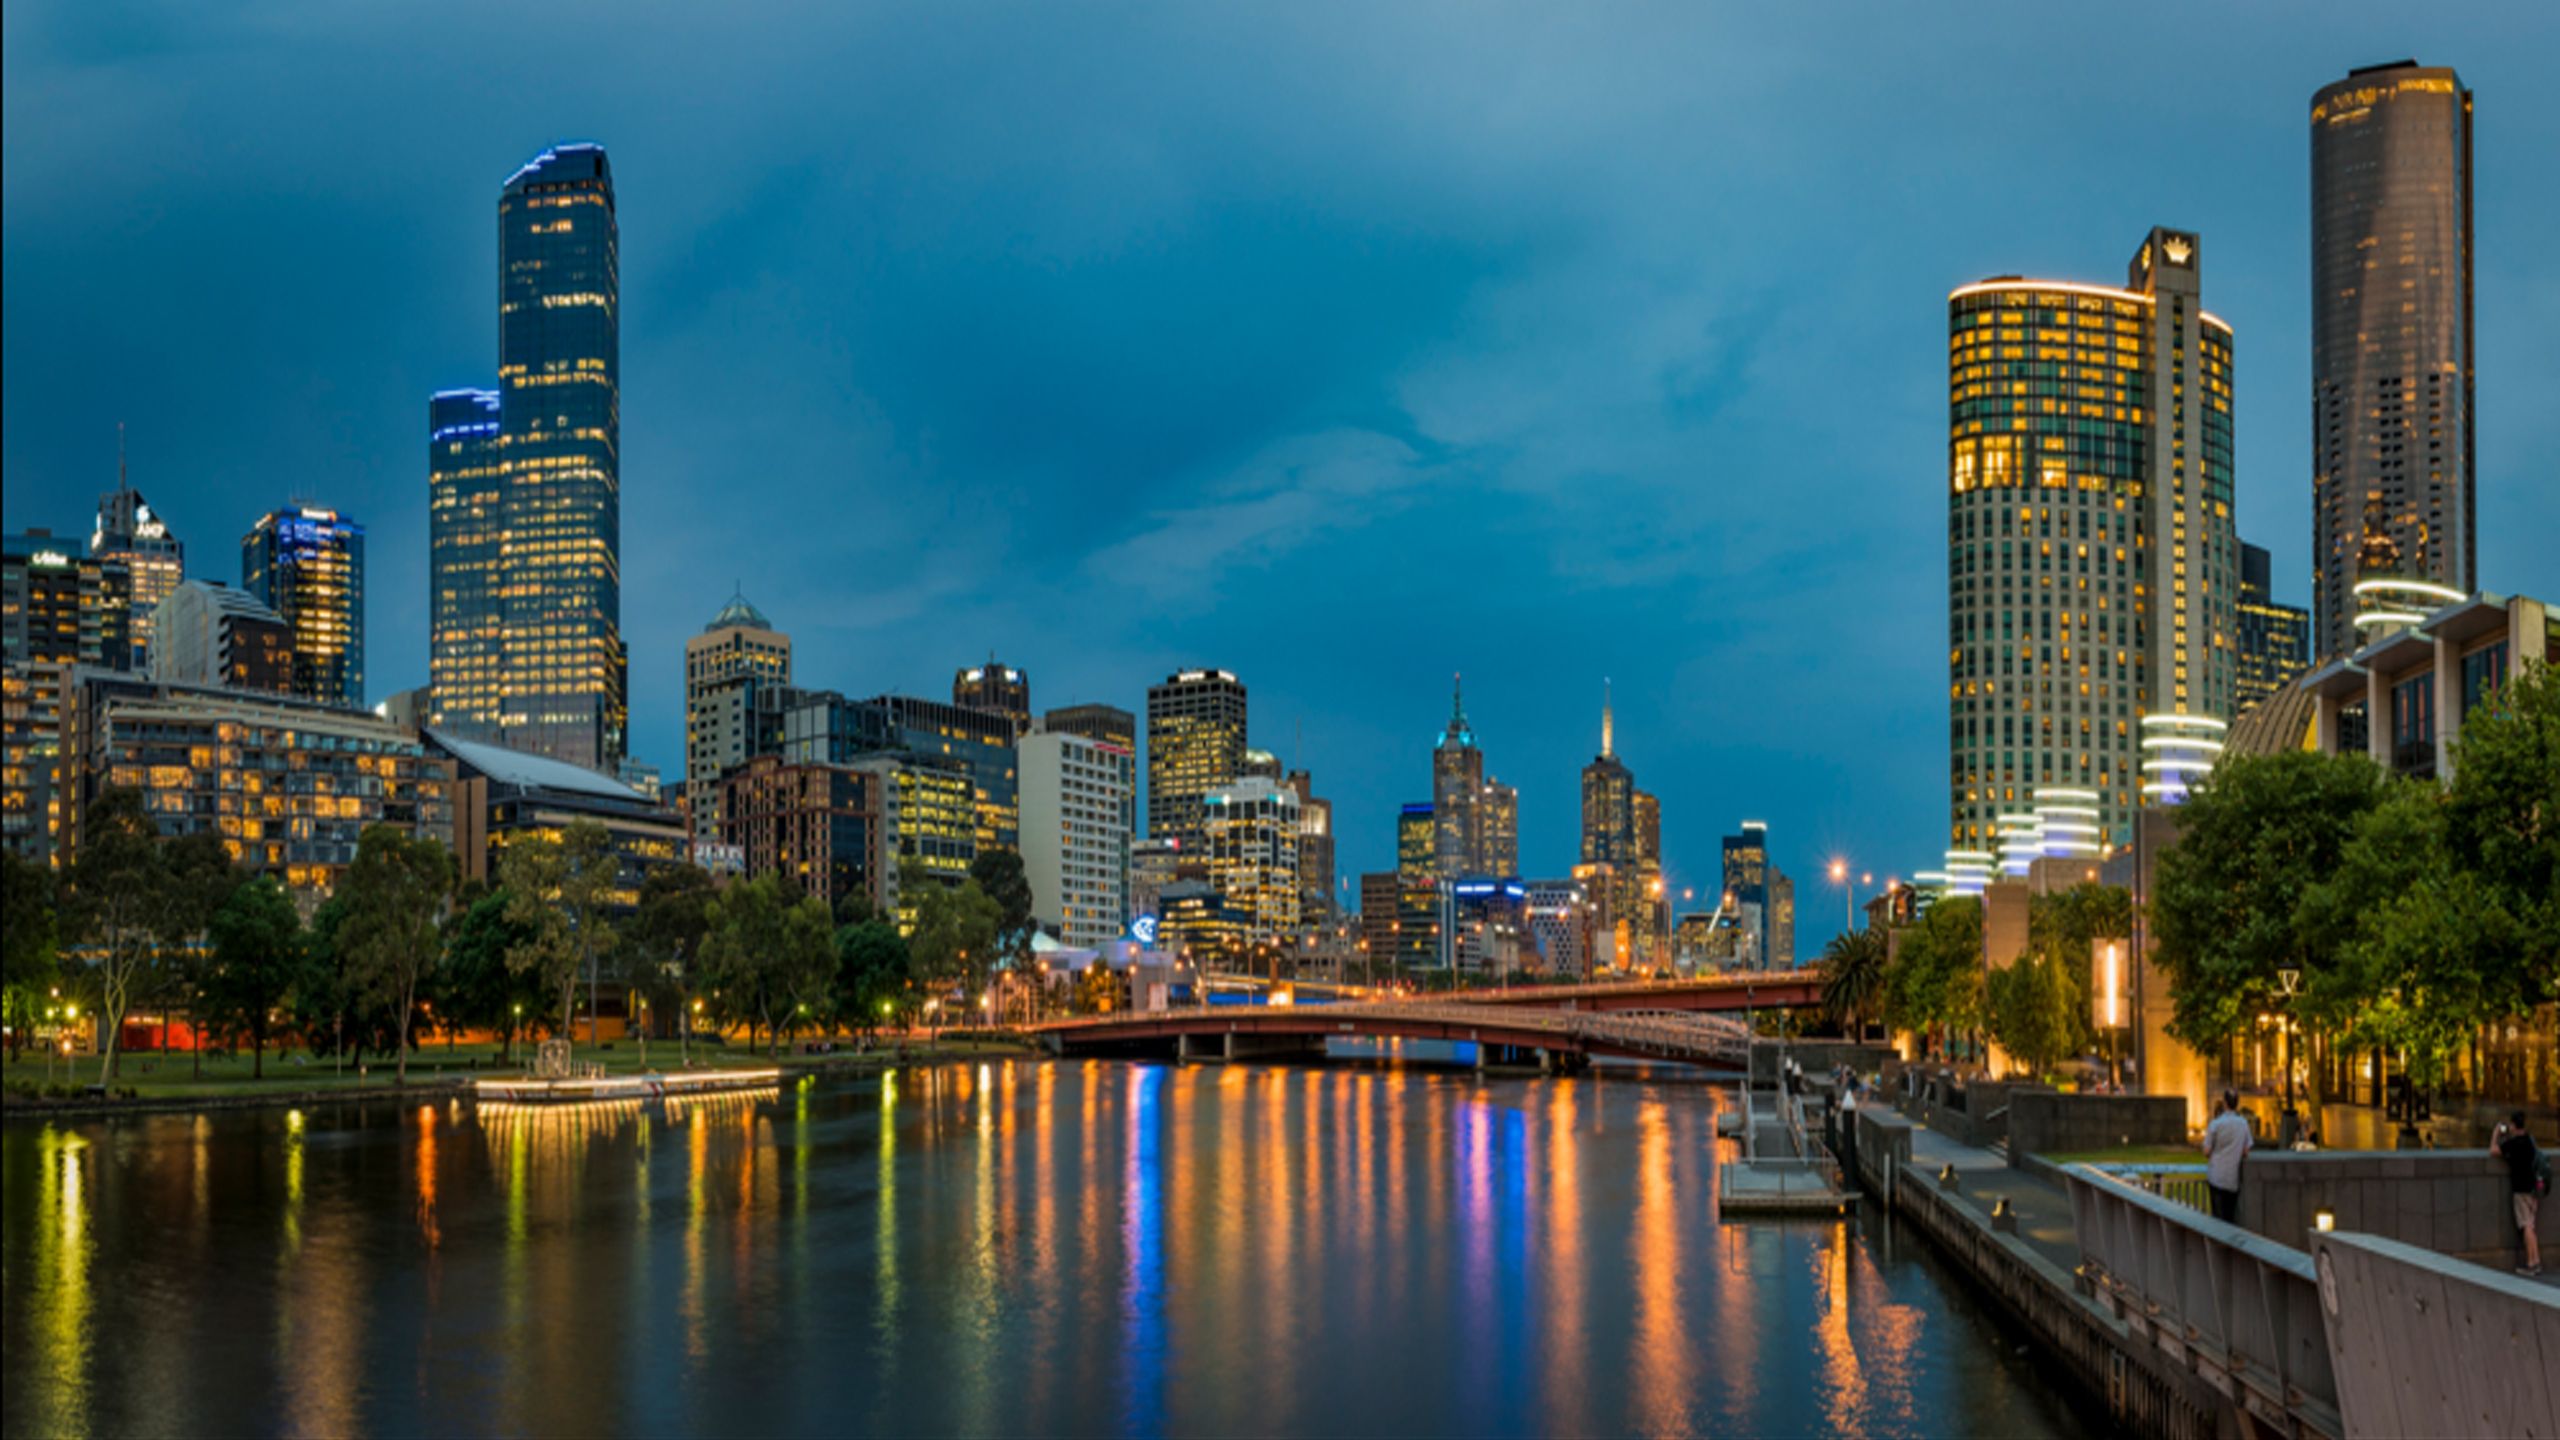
(1078, 798)
(1253, 855)
(1315, 849)
(983, 744)
(1746, 882)
(1156, 864)
(820, 827)
(525, 490)
(287, 784)
(1782, 920)
(2417, 677)
(1417, 888)
(2093, 571)
(503, 796)
(58, 609)
(1199, 923)
(735, 674)
(929, 809)
(1612, 870)
(208, 634)
(1195, 744)
(1380, 894)
(1457, 781)
(2391, 334)
(996, 689)
(308, 566)
(1558, 916)
(1484, 926)
(1497, 827)
(129, 534)
(2275, 640)
(1107, 723)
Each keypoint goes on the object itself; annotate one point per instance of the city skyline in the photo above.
(1263, 547)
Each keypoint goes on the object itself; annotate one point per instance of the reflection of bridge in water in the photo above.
(1552, 1026)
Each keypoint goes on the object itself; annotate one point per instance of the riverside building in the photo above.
(736, 673)
(2093, 570)
(1077, 802)
(307, 565)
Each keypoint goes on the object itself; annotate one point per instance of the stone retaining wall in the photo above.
(2047, 1122)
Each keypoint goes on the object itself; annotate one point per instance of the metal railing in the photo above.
(2183, 1184)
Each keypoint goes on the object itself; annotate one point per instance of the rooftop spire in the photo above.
(1608, 722)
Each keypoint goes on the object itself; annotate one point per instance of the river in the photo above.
(1098, 1248)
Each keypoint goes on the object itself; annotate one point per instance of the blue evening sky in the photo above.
(1344, 346)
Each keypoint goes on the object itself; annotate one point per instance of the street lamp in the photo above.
(2290, 1127)
(1848, 895)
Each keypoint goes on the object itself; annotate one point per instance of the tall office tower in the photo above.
(1746, 884)
(1000, 689)
(210, 634)
(982, 742)
(1417, 887)
(525, 485)
(1107, 723)
(1076, 808)
(1253, 854)
(733, 672)
(2275, 640)
(1611, 872)
(307, 565)
(1315, 849)
(2391, 367)
(1457, 782)
(1381, 901)
(1497, 830)
(1781, 914)
(1195, 744)
(128, 533)
(2093, 572)
(58, 611)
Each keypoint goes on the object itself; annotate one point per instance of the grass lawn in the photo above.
(2130, 1155)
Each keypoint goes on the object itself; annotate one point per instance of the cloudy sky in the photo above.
(1344, 346)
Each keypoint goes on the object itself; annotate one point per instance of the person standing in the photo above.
(2528, 1175)
(2226, 1144)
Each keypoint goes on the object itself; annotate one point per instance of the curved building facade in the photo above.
(2092, 563)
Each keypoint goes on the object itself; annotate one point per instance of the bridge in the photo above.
(1544, 1034)
(1772, 990)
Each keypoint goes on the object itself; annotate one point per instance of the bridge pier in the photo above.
(1270, 1047)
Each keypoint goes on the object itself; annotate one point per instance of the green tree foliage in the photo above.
(29, 964)
(396, 896)
(872, 980)
(771, 955)
(2034, 1011)
(1853, 966)
(664, 937)
(999, 874)
(475, 984)
(2254, 838)
(560, 892)
(955, 932)
(138, 902)
(258, 963)
(2502, 827)
(1096, 989)
(2065, 927)
(1935, 981)
(325, 1004)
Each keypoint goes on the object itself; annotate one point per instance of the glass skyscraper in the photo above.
(2275, 640)
(2092, 565)
(128, 533)
(307, 565)
(526, 489)
(1195, 744)
(2391, 370)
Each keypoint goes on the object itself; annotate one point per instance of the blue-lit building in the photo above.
(307, 565)
(1484, 925)
(526, 484)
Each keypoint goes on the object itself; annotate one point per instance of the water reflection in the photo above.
(991, 1248)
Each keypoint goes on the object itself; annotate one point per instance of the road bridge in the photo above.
(1772, 990)
(1542, 1034)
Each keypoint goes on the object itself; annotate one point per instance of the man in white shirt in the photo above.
(2226, 1143)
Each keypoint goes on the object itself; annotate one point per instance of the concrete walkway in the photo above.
(1983, 1177)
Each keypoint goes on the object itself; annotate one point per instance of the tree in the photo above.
(135, 904)
(2253, 839)
(770, 954)
(955, 930)
(2502, 826)
(29, 966)
(326, 1002)
(998, 874)
(476, 985)
(2065, 927)
(2032, 1011)
(1853, 979)
(871, 970)
(1934, 983)
(396, 895)
(560, 890)
(662, 936)
(259, 960)
(1095, 989)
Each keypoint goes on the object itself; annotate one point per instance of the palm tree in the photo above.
(1853, 978)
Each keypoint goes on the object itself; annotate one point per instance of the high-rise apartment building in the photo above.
(1076, 808)
(997, 689)
(2093, 571)
(1497, 830)
(1195, 744)
(525, 485)
(129, 534)
(1782, 920)
(2391, 342)
(209, 634)
(1315, 849)
(1107, 723)
(59, 610)
(1253, 855)
(2275, 640)
(307, 565)
(1381, 894)
(820, 827)
(1747, 885)
(1417, 887)
(734, 673)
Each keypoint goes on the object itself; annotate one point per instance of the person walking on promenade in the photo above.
(2528, 1176)
(2226, 1143)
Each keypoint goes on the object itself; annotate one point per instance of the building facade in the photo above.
(1107, 723)
(128, 534)
(2391, 335)
(2275, 640)
(1195, 744)
(525, 500)
(307, 565)
(1782, 920)
(504, 796)
(2093, 568)
(1315, 850)
(1457, 783)
(208, 634)
(1746, 883)
(1253, 855)
(59, 610)
(736, 672)
(821, 827)
(1078, 797)
(1558, 915)
(1417, 928)
(996, 689)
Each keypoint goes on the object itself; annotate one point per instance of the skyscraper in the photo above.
(209, 634)
(1000, 689)
(1075, 834)
(307, 564)
(1746, 885)
(1108, 723)
(1315, 849)
(526, 517)
(2093, 572)
(733, 673)
(2275, 640)
(1417, 888)
(1457, 782)
(129, 534)
(2391, 343)
(1195, 744)
(1253, 854)
(1497, 830)
(1611, 872)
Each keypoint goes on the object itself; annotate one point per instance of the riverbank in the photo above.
(162, 1085)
